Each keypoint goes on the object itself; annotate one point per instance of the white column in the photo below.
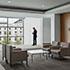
(52, 28)
(46, 30)
(55, 27)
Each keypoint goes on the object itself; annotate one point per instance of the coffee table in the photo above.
(37, 52)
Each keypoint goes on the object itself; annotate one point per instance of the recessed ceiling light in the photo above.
(9, 1)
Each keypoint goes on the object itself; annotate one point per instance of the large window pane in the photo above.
(11, 30)
(15, 22)
(15, 30)
(3, 30)
(3, 22)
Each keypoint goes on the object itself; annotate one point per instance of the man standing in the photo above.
(34, 36)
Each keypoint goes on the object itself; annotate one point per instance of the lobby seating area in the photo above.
(17, 57)
(13, 55)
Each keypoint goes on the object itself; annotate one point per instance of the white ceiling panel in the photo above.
(32, 6)
(35, 4)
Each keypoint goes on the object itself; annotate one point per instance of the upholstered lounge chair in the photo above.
(14, 55)
(62, 51)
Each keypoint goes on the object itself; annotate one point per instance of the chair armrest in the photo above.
(54, 47)
(65, 51)
(20, 53)
(46, 45)
(18, 56)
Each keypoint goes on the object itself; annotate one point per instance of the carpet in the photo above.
(40, 64)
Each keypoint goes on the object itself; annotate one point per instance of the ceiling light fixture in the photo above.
(9, 1)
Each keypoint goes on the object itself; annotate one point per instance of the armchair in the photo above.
(13, 55)
(62, 50)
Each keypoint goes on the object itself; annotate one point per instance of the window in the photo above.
(5, 33)
(20, 28)
(0, 38)
(20, 38)
(15, 31)
(4, 28)
(0, 32)
(9, 33)
(9, 28)
(15, 38)
(9, 38)
(15, 28)
(20, 31)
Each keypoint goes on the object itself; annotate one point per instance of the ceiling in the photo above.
(35, 5)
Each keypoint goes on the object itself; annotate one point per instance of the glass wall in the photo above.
(11, 30)
(3, 30)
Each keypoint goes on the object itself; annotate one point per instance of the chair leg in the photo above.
(27, 62)
(51, 55)
(6, 61)
(21, 62)
(2, 58)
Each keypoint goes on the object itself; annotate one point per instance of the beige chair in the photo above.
(55, 48)
(14, 55)
(65, 49)
(65, 52)
(62, 51)
(46, 45)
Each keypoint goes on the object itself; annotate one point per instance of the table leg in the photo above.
(40, 55)
(32, 57)
(46, 56)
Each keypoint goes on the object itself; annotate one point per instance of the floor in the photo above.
(40, 63)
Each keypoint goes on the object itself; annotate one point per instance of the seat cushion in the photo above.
(64, 45)
(55, 51)
(54, 43)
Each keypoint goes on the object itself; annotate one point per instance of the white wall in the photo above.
(33, 19)
(55, 26)
(46, 30)
(19, 14)
(52, 17)
(29, 23)
(59, 10)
